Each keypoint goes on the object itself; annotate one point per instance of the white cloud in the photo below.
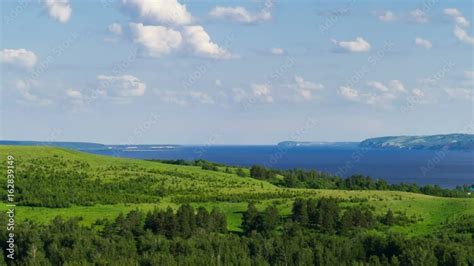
(262, 92)
(396, 85)
(380, 94)
(218, 83)
(378, 85)
(201, 97)
(60, 10)
(460, 93)
(393, 86)
(163, 11)
(460, 22)
(459, 19)
(240, 14)
(115, 28)
(122, 86)
(201, 44)
(305, 88)
(387, 16)
(418, 92)
(418, 16)
(157, 40)
(184, 98)
(24, 88)
(462, 35)
(452, 12)
(20, 57)
(307, 85)
(423, 43)
(356, 46)
(277, 51)
(349, 93)
(75, 94)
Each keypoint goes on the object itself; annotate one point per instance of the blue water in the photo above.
(444, 168)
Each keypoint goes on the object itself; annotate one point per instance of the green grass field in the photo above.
(226, 191)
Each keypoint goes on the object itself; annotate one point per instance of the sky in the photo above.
(234, 72)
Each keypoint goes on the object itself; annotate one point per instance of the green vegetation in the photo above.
(153, 213)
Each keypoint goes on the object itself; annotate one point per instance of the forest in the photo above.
(317, 232)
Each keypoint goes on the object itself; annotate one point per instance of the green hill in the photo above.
(57, 181)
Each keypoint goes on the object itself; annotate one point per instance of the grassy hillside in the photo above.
(102, 187)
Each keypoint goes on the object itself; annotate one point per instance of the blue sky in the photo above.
(234, 72)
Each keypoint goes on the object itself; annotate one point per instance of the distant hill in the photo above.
(69, 145)
(433, 142)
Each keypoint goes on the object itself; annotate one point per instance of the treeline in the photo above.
(48, 183)
(312, 235)
(204, 164)
(297, 178)
(324, 215)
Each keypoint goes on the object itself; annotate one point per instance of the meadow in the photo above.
(169, 185)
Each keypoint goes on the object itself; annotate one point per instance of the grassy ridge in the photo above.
(205, 188)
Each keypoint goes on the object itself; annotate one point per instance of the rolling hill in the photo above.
(57, 181)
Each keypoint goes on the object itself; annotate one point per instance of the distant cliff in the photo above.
(434, 142)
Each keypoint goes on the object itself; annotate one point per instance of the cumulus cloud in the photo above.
(19, 57)
(460, 23)
(462, 35)
(393, 86)
(201, 44)
(184, 98)
(262, 92)
(121, 86)
(242, 15)
(349, 93)
(459, 93)
(201, 97)
(396, 85)
(277, 51)
(418, 16)
(417, 92)
(386, 16)
(423, 43)
(452, 12)
(115, 28)
(307, 85)
(75, 94)
(378, 86)
(306, 88)
(458, 17)
(157, 40)
(60, 10)
(163, 11)
(24, 88)
(356, 46)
